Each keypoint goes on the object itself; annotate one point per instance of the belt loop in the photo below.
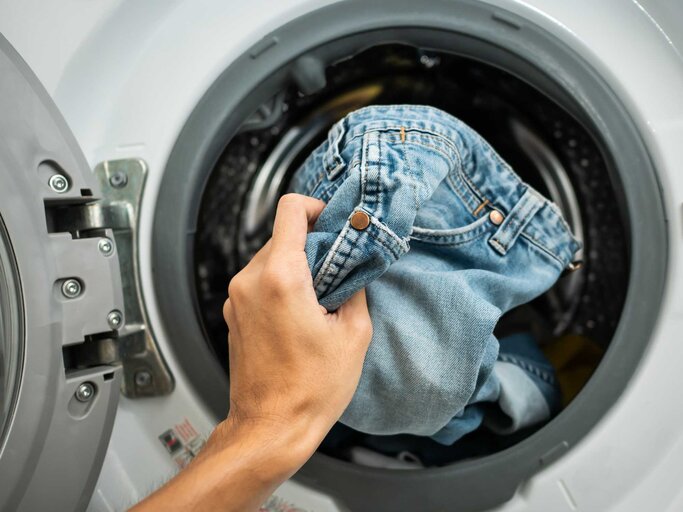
(516, 220)
(371, 172)
(332, 159)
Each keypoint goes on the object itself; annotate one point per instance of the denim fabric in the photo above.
(487, 409)
(521, 391)
(438, 271)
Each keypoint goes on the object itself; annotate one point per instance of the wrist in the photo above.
(276, 448)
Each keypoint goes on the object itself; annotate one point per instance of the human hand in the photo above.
(293, 365)
(293, 370)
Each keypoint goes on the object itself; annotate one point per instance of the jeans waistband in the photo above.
(498, 187)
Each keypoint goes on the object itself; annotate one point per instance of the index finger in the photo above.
(295, 214)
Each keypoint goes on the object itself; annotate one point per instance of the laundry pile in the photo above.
(446, 238)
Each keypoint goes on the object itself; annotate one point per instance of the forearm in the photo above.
(294, 367)
(241, 465)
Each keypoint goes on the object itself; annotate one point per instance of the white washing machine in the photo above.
(117, 242)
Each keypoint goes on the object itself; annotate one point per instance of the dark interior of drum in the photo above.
(545, 145)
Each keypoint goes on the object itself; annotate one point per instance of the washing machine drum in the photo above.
(541, 107)
(60, 302)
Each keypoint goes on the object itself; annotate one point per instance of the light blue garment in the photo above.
(520, 392)
(438, 271)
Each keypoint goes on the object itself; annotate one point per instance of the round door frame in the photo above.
(479, 31)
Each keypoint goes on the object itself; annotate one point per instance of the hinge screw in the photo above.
(105, 246)
(85, 392)
(71, 288)
(143, 378)
(115, 319)
(58, 183)
(118, 179)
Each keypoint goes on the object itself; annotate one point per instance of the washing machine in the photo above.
(143, 146)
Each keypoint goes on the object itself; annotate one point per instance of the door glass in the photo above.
(11, 349)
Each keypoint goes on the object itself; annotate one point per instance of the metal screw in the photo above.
(58, 183)
(118, 179)
(71, 288)
(85, 392)
(115, 318)
(105, 246)
(143, 378)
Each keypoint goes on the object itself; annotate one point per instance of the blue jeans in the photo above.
(446, 238)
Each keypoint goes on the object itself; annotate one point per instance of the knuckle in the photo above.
(227, 309)
(235, 287)
(289, 198)
(275, 279)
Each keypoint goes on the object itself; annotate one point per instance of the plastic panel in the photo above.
(54, 447)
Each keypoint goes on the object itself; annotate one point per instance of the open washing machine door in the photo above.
(61, 304)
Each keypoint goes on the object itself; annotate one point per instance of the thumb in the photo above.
(354, 316)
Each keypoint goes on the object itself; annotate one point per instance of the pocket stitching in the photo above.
(451, 243)
(410, 167)
(328, 259)
(542, 248)
(473, 231)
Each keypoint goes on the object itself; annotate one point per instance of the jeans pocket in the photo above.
(455, 236)
(448, 210)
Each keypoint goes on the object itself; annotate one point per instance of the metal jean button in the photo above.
(360, 220)
(496, 217)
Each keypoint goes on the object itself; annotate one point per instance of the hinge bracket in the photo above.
(121, 182)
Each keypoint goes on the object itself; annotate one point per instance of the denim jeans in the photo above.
(446, 238)
(520, 349)
(520, 392)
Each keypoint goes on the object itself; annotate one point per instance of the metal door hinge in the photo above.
(114, 218)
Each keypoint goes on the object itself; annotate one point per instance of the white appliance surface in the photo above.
(126, 75)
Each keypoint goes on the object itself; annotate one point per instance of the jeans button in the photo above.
(360, 220)
(496, 217)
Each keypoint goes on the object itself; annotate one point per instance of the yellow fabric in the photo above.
(574, 359)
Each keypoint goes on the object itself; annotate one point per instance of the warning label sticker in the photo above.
(182, 442)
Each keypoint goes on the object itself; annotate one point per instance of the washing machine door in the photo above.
(61, 304)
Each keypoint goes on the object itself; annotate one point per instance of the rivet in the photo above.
(496, 217)
(58, 183)
(105, 246)
(575, 265)
(118, 179)
(71, 288)
(114, 319)
(360, 220)
(143, 378)
(84, 392)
